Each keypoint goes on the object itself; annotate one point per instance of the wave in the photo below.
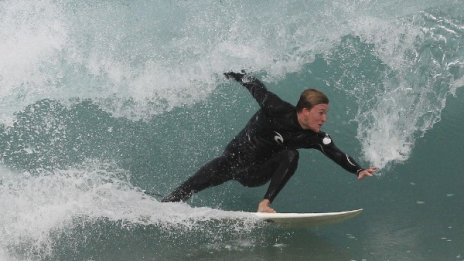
(137, 67)
(81, 80)
(420, 64)
(38, 209)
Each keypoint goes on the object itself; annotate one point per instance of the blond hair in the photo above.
(311, 97)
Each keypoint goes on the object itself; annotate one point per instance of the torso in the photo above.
(266, 134)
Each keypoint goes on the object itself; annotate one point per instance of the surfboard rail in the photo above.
(307, 219)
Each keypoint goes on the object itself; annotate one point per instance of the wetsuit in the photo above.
(266, 149)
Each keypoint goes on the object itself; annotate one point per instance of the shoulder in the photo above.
(275, 105)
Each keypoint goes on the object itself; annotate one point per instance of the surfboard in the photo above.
(307, 219)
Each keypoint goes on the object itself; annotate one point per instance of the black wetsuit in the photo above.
(266, 149)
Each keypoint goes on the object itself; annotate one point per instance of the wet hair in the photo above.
(310, 98)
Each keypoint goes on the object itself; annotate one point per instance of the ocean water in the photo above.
(103, 100)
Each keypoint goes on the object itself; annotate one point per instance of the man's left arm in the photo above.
(344, 160)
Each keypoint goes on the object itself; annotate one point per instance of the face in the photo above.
(314, 118)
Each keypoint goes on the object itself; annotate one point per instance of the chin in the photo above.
(316, 130)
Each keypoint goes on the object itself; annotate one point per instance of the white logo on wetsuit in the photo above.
(326, 140)
(278, 138)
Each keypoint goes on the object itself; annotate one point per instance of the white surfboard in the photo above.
(307, 219)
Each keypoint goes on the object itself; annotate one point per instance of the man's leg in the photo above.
(279, 169)
(213, 173)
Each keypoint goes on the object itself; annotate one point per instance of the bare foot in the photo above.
(264, 206)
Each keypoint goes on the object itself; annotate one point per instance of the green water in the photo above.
(100, 101)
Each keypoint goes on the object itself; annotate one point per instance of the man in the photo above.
(266, 149)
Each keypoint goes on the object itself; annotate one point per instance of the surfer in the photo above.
(266, 149)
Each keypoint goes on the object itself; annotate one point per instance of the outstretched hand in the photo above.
(234, 75)
(367, 172)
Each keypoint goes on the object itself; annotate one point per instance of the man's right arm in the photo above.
(258, 90)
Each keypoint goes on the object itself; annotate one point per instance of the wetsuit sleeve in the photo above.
(266, 99)
(329, 149)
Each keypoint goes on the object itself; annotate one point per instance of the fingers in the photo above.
(367, 173)
(234, 75)
(364, 173)
(229, 74)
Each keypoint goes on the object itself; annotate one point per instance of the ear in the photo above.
(302, 112)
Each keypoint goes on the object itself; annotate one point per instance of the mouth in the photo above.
(317, 128)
